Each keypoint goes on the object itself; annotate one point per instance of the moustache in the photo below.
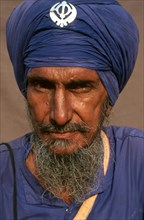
(70, 127)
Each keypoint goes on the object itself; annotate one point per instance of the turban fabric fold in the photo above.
(103, 37)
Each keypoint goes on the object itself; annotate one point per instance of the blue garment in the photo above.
(103, 37)
(121, 196)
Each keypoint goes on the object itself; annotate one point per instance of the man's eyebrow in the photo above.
(74, 82)
(83, 82)
(33, 79)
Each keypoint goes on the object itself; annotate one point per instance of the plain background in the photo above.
(128, 110)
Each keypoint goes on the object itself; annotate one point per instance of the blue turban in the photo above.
(94, 34)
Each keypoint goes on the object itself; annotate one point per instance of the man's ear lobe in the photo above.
(109, 109)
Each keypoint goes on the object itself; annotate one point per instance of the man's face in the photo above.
(65, 104)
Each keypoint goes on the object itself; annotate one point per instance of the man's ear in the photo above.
(109, 109)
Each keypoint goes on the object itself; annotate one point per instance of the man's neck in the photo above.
(30, 163)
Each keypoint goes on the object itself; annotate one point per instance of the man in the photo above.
(71, 60)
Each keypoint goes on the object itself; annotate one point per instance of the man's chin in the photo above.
(61, 150)
(62, 146)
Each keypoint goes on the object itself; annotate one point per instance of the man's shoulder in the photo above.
(127, 142)
(15, 144)
(124, 132)
(126, 139)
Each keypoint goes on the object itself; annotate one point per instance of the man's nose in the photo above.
(61, 108)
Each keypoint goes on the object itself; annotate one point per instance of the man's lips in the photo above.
(62, 135)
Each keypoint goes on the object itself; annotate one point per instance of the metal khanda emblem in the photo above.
(63, 13)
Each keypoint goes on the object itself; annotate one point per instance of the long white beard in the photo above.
(73, 174)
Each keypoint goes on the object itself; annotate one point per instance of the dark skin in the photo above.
(61, 95)
(66, 94)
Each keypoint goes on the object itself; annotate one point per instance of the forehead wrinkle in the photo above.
(69, 82)
(64, 74)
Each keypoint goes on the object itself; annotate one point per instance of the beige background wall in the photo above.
(127, 111)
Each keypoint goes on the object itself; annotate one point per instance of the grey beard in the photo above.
(73, 174)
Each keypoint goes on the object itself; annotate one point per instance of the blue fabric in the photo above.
(103, 37)
(122, 197)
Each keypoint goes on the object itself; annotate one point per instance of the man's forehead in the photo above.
(64, 73)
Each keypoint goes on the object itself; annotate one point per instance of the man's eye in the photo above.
(80, 88)
(43, 86)
(39, 86)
